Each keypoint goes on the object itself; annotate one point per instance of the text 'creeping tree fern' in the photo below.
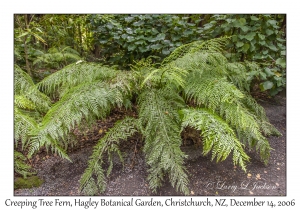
(194, 87)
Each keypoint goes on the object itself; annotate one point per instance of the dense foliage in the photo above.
(196, 86)
(173, 71)
(259, 38)
(46, 43)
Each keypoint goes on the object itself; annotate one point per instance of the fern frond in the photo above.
(160, 122)
(237, 74)
(20, 166)
(223, 98)
(87, 101)
(22, 81)
(210, 91)
(247, 127)
(23, 125)
(266, 127)
(73, 75)
(56, 56)
(217, 135)
(24, 86)
(22, 102)
(169, 74)
(108, 144)
(213, 45)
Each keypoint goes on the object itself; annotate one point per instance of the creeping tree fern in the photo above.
(194, 87)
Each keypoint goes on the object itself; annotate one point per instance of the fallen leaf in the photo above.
(217, 193)
(251, 192)
(192, 192)
(278, 168)
(277, 184)
(249, 175)
(100, 131)
(258, 176)
(265, 172)
(278, 163)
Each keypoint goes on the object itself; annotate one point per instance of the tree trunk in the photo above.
(27, 22)
(80, 39)
(26, 58)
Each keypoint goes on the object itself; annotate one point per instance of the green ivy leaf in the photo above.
(263, 75)
(272, 22)
(246, 47)
(161, 36)
(261, 36)
(156, 46)
(245, 28)
(154, 31)
(239, 44)
(267, 85)
(272, 47)
(281, 62)
(139, 23)
(250, 36)
(131, 47)
(129, 31)
(281, 40)
(269, 32)
(176, 29)
(265, 52)
(143, 49)
(165, 52)
(139, 42)
(242, 21)
(188, 32)
(254, 18)
(129, 19)
(269, 72)
(175, 37)
(262, 42)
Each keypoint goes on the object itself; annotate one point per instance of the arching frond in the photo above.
(213, 45)
(237, 74)
(24, 86)
(73, 75)
(225, 99)
(86, 101)
(22, 102)
(23, 125)
(55, 56)
(218, 137)
(247, 127)
(169, 74)
(106, 145)
(210, 91)
(266, 127)
(20, 165)
(160, 122)
(22, 81)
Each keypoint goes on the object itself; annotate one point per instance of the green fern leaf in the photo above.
(159, 121)
(217, 135)
(108, 144)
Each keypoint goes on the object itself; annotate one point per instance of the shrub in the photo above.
(195, 86)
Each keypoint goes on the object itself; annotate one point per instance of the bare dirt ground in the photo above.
(61, 178)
